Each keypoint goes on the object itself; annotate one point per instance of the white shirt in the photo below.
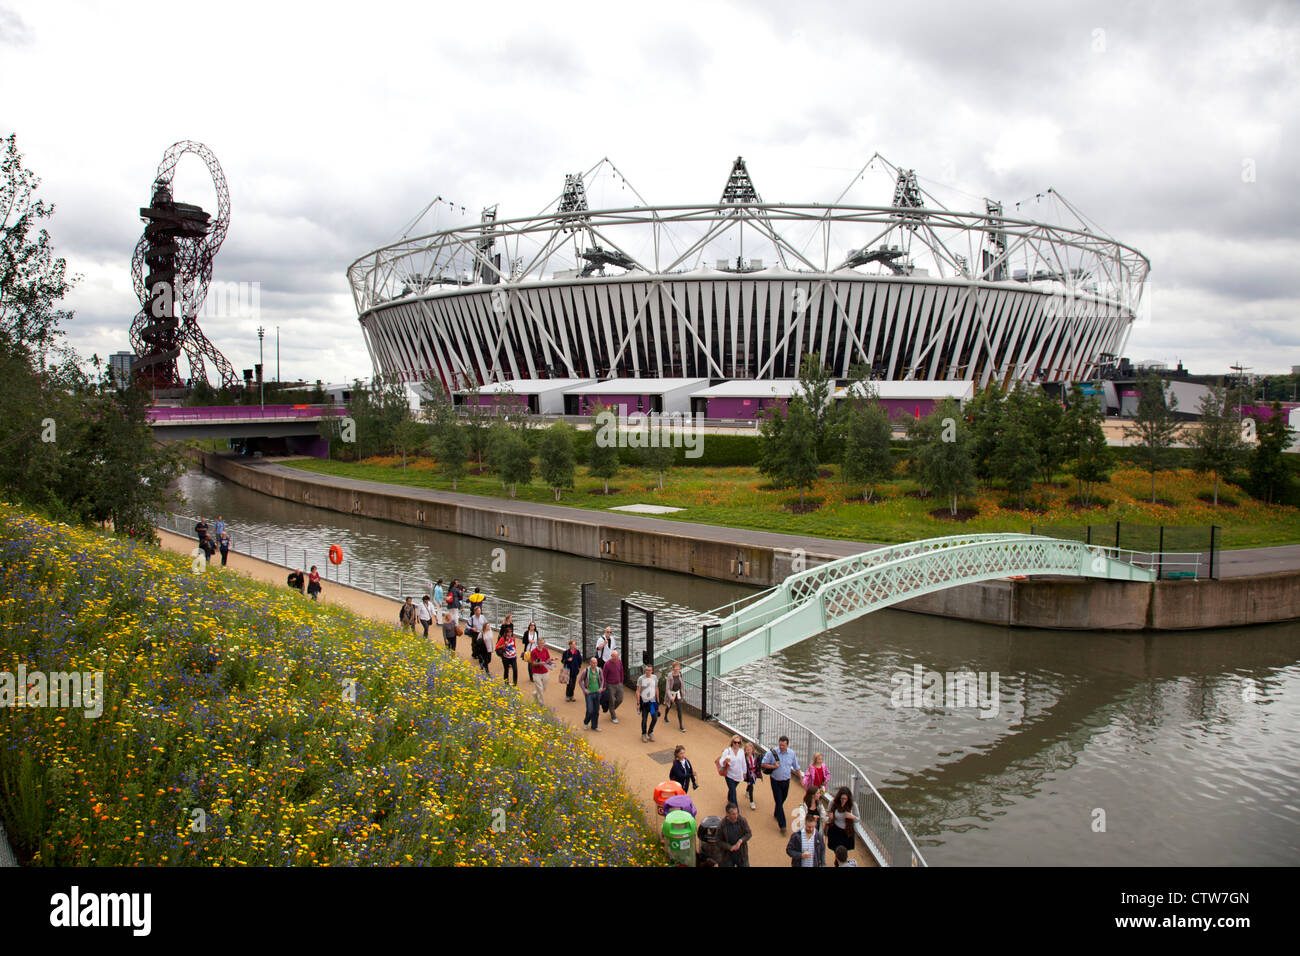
(809, 846)
(422, 611)
(604, 647)
(735, 769)
(649, 689)
(478, 623)
(430, 613)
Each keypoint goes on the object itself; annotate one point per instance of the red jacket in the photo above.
(539, 659)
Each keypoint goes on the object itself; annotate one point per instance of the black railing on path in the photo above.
(1169, 546)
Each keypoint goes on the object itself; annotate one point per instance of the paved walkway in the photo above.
(1230, 564)
(644, 765)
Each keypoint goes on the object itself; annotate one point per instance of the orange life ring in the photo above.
(336, 554)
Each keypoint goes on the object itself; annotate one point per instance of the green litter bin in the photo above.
(679, 837)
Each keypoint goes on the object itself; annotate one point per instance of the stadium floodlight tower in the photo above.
(908, 287)
(179, 243)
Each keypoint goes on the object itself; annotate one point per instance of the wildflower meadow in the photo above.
(245, 726)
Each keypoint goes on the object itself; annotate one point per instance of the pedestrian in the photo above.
(448, 633)
(406, 616)
(735, 834)
(571, 661)
(424, 615)
(224, 542)
(675, 694)
(753, 772)
(682, 771)
(539, 666)
(313, 583)
(807, 847)
(592, 682)
(532, 640)
(485, 643)
(614, 684)
(439, 595)
(208, 547)
(295, 580)
(842, 857)
(201, 530)
(218, 527)
(731, 765)
(647, 701)
(780, 764)
(605, 645)
(817, 775)
(508, 650)
(809, 806)
(839, 828)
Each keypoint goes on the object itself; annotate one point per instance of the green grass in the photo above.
(738, 497)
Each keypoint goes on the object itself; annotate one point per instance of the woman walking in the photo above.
(313, 583)
(753, 772)
(675, 693)
(731, 765)
(571, 661)
(839, 829)
(811, 807)
(531, 642)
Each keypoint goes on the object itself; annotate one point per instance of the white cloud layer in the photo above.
(336, 125)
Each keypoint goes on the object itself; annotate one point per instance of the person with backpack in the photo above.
(605, 646)
(406, 616)
(647, 701)
(781, 763)
(592, 681)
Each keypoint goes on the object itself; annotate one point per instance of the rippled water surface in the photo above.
(1099, 748)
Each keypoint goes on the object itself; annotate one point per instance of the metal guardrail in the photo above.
(217, 414)
(556, 629)
(877, 826)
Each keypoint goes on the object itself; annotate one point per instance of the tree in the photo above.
(1084, 443)
(987, 413)
(515, 463)
(659, 458)
(1046, 421)
(448, 443)
(407, 437)
(799, 455)
(555, 457)
(602, 462)
(944, 455)
(815, 388)
(867, 456)
(1154, 429)
(32, 280)
(1270, 477)
(1217, 445)
(1016, 460)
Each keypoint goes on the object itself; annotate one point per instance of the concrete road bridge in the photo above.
(282, 429)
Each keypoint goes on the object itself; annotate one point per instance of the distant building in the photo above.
(119, 364)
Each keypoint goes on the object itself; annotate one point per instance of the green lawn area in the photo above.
(739, 497)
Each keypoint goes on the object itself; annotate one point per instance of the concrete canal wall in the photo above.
(1054, 603)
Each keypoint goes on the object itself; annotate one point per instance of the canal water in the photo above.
(1096, 748)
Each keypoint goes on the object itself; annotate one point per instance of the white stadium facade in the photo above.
(742, 289)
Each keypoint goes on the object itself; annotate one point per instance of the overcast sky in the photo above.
(1171, 125)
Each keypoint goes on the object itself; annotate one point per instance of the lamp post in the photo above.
(261, 378)
(277, 356)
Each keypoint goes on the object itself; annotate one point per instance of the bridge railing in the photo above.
(877, 826)
(228, 413)
(555, 629)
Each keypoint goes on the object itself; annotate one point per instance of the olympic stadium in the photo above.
(740, 289)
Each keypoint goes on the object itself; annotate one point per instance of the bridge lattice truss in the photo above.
(813, 601)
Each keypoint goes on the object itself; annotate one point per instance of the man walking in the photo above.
(614, 681)
(605, 646)
(423, 615)
(647, 701)
(808, 846)
(780, 764)
(592, 682)
(571, 661)
(406, 616)
(539, 666)
(734, 835)
(201, 532)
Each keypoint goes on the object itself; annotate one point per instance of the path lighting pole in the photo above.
(261, 378)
